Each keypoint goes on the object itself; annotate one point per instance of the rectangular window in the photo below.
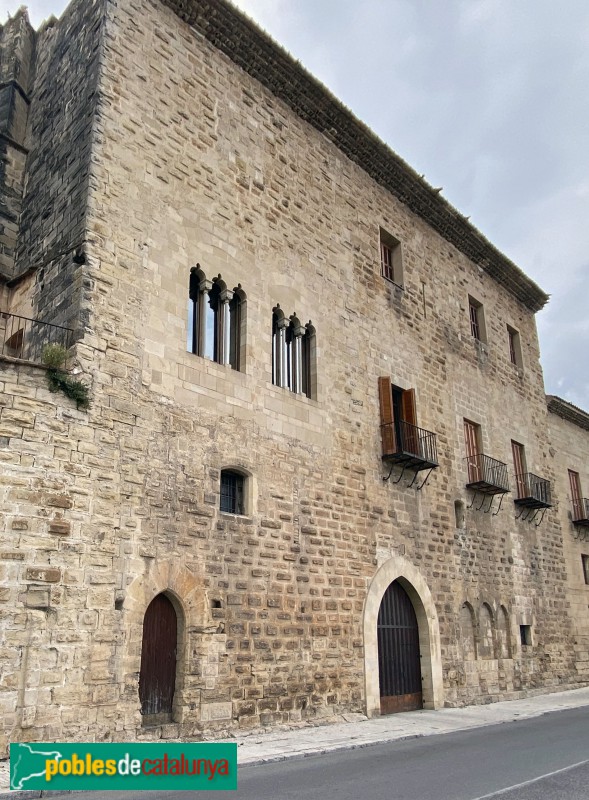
(231, 492)
(477, 319)
(473, 443)
(391, 261)
(525, 633)
(576, 497)
(585, 562)
(515, 351)
(519, 468)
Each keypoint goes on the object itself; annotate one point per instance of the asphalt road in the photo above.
(546, 758)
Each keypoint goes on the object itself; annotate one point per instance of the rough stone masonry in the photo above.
(144, 142)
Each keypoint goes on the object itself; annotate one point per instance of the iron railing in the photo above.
(533, 491)
(581, 510)
(25, 339)
(487, 474)
(402, 439)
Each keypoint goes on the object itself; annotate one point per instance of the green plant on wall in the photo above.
(54, 356)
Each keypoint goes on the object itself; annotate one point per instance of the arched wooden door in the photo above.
(399, 664)
(157, 679)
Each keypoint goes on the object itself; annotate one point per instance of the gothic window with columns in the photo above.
(216, 320)
(293, 353)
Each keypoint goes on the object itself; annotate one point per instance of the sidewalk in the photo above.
(278, 745)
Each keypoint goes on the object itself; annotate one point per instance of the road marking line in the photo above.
(533, 780)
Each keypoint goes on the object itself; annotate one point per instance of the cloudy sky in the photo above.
(488, 98)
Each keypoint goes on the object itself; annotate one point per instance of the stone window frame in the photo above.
(216, 320)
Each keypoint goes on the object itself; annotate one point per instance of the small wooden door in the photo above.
(471, 439)
(157, 678)
(519, 465)
(399, 663)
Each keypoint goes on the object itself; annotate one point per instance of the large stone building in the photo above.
(306, 482)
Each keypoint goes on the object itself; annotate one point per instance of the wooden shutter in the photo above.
(576, 494)
(410, 433)
(408, 407)
(472, 451)
(387, 427)
(519, 465)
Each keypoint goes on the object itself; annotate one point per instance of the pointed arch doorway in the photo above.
(399, 660)
(157, 678)
(400, 570)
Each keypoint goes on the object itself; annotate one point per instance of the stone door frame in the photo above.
(399, 569)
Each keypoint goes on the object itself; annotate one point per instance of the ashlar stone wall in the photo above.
(194, 162)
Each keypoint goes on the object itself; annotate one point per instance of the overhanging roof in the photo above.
(568, 411)
(256, 53)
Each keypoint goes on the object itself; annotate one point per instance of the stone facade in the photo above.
(569, 438)
(164, 145)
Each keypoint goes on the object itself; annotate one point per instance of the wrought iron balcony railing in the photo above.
(25, 339)
(486, 474)
(406, 444)
(581, 511)
(532, 491)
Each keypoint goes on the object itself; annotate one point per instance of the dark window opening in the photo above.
(525, 632)
(232, 499)
(585, 561)
(459, 513)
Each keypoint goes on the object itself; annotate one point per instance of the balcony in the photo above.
(406, 444)
(581, 511)
(25, 339)
(487, 475)
(532, 491)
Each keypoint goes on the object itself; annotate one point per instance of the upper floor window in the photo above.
(232, 499)
(391, 260)
(293, 353)
(515, 350)
(402, 440)
(477, 319)
(216, 320)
